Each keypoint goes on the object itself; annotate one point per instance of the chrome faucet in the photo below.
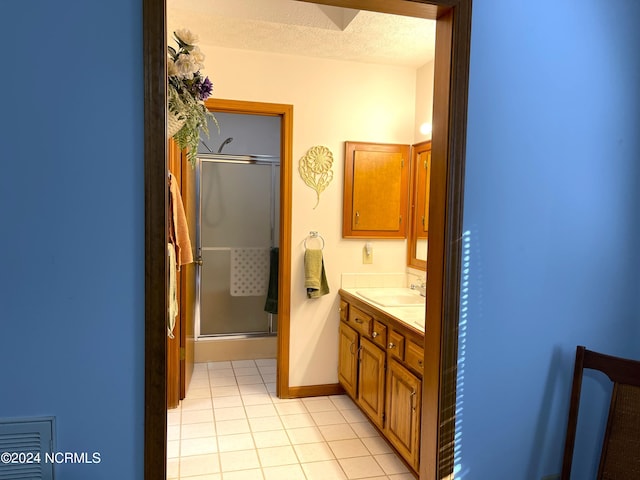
(421, 289)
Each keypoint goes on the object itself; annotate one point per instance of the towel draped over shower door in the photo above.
(178, 227)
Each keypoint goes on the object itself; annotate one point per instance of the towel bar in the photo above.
(313, 234)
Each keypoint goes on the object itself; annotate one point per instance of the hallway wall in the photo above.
(552, 218)
(72, 207)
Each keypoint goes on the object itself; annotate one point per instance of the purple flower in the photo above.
(204, 89)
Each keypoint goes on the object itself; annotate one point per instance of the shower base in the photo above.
(218, 349)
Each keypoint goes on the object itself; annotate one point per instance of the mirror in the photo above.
(418, 231)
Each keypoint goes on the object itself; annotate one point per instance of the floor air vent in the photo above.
(24, 444)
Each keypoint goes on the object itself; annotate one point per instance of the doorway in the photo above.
(449, 126)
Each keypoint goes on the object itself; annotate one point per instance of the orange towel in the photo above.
(178, 228)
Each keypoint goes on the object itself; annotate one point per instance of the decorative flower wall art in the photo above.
(315, 169)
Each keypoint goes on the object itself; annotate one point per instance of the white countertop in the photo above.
(412, 315)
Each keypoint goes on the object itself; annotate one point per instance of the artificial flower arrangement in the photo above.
(187, 90)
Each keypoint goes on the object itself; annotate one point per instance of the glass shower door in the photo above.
(236, 232)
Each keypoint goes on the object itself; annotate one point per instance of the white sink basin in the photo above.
(393, 297)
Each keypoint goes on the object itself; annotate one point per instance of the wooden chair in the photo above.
(620, 457)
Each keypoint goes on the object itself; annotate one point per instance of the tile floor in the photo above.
(231, 426)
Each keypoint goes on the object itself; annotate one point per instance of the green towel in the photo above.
(315, 279)
(271, 305)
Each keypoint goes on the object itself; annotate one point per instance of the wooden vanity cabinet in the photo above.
(380, 368)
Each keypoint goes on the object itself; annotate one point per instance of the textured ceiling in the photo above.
(300, 28)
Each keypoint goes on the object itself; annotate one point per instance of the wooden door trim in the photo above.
(155, 238)
(174, 363)
(451, 85)
(285, 112)
(452, 49)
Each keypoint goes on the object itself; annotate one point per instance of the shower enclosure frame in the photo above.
(222, 158)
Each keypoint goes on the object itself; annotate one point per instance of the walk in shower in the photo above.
(237, 232)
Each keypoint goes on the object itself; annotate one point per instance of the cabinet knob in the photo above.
(358, 320)
(374, 334)
(391, 345)
(419, 363)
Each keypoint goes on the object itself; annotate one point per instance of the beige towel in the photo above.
(315, 278)
(173, 297)
(178, 228)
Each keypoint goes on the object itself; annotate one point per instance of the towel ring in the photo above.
(314, 235)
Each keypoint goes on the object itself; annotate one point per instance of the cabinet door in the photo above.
(348, 359)
(403, 412)
(419, 207)
(375, 190)
(371, 381)
(423, 179)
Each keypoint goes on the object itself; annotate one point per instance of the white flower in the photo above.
(186, 66)
(172, 70)
(197, 54)
(186, 36)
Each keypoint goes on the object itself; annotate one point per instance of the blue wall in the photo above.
(552, 221)
(551, 214)
(71, 203)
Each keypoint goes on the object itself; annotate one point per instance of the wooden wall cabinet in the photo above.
(380, 368)
(376, 190)
(419, 205)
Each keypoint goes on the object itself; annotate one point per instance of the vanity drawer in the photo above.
(344, 310)
(396, 345)
(359, 320)
(415, 357)
(379, 333)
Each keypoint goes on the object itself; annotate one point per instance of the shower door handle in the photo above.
(198, 261)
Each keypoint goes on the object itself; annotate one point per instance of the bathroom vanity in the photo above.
(380, 366)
